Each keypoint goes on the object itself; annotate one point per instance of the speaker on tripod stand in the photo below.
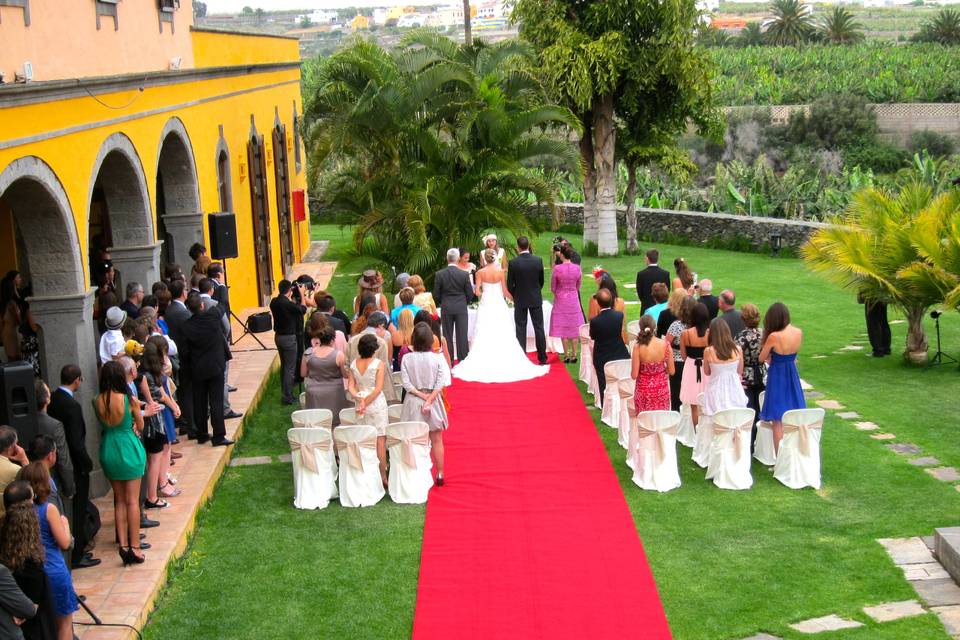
(18, 400)
(939, 357)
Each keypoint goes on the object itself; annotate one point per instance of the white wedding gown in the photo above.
(495, 355)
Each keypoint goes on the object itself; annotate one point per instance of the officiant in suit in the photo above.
(648, 277)
(606, 333)
(452, 292)
(524, 282)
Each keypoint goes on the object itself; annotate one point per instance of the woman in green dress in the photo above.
(122, 455)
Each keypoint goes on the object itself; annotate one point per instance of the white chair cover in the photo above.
(763, 449)
(798, 464)
(653, 450)
(613, 371)
(348, 416)
(360, 484)
(303, 400)
(587, 373)
(393, 412)
(686, 434)
(633, 329)
(704, 437)
(731, 428)
(312, 418)
(314, 467)
(626, 387)
(408, 444)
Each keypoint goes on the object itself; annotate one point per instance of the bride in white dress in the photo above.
(495, 355)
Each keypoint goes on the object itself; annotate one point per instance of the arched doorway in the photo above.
(260, 205)
(281, 167)
(120, 222)
(179, 217)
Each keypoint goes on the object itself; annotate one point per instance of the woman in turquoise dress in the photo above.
(122, 455)
(781, 342)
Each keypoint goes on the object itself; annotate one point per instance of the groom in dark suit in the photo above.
(452, 292)
(648, 277)
(524, 282)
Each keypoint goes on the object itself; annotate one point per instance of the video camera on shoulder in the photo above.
(306, 283)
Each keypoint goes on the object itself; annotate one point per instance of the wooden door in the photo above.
(281, 167)
(256, 156)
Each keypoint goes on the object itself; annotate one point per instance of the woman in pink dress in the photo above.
(652, 366)
(567, 315)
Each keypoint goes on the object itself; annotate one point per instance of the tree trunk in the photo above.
(467, 35)
(604, 162)
(631, 196)
(917, 345)
(589, 186)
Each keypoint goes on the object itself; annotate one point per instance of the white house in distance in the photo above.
(319, 16)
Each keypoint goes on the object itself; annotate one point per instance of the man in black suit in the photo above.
(65, 408)
(710, 301)
(326, 305)
(205, 352)
(606, 331)
(452, 292)
(648, 277)
(176, 316)
(524, 282)
(287, 323)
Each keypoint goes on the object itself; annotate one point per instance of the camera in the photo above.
(304, 283)
(936, 314)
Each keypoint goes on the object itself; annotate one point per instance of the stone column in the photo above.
(137, 264)
(68, 336)
(184, 229)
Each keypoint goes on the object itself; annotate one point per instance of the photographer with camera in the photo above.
(558, 244)
(287, 327)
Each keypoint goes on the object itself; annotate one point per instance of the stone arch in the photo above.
(118, 194)
(179, 215)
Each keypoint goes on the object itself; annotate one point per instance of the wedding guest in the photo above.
(287, 315)
(646, 279)
(406, 304)
(221, 293)
(324, 369)
(781, 342)
(157, 287)
(499, 256)
(710, 301)
(605, 281)
(55, 537)
(878, 327)
(676, 329)
(606, 331)
(22, 552)
(122, 455)
(559, 243)
(15, 607)
(728, 312)
(29, 335)
(439, 342)
(155, 435)
(452, 292)
(10, 314)
(660, 295)
(106, 300)
(112, 341)
(652, 367)
(327, 307)
(205, 352)
(176, 317)
(423, 298)
(464, 264)
(723, 366)
(685, 279)
(172, 272)
(47, 425)
(424, 375)
(366, 386)
(12, 457)
(693, 342)
(319, 321)
(401, 282)
(670, 315)
(754, 369)
(402, 344)
(567, 315)
(198, 253)
(208, 289)
(65, 408)
(371, 283)
(134, 300)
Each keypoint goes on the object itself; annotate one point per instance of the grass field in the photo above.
(728, 564)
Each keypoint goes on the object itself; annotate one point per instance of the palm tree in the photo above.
(943, 28)
(467, 36)
(751, 35)
(882, 247)
(425, 147)
(840, 27)
(790, 23)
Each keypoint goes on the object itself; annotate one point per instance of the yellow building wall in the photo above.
(201, 110)
(213, 49)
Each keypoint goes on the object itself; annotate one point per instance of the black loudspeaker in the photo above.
(259, 322)
(18, 400)
(223, 235)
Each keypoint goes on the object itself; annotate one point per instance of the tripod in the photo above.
(939, 357)
(246, 330)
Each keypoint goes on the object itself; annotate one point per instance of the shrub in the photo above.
(879, 157)
(936, 144)
(836, 121)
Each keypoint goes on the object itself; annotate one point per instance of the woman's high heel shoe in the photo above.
(128, 556)
(439, 481)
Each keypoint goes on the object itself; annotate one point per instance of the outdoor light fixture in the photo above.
(776, 243)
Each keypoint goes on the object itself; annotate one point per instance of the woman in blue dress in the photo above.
(55, 536)
(781, 341)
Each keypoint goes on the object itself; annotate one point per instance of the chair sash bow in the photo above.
(308, 452)
(407, 454)
(737, 431)
(804, 433)
(322, 422)
(627, 387)
(660, 448)
(353, 450)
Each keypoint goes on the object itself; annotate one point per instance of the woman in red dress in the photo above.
(652, 366)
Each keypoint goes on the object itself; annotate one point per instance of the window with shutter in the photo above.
(23, 4)
(108, 8)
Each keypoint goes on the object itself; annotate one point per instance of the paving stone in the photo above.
(866, 426)
(883, 436)
(763, 636)
(630, 285)
(245, 462)
(930, 541)
(925, 461)
(897, 321)
(631, 302)
(852, 347)
(907, 550)
(944, 474)
(848, 415)
(904, 448)
(826, 623)
(950, 617)
(894, 610)
(285, 457)
(817, 357)
(924, 571)
(829, 404)
(938, 593)
(812, 395)
(806, 386)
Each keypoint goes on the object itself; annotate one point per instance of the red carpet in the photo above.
(530, 537)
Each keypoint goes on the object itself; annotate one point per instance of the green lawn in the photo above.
(728, 564)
